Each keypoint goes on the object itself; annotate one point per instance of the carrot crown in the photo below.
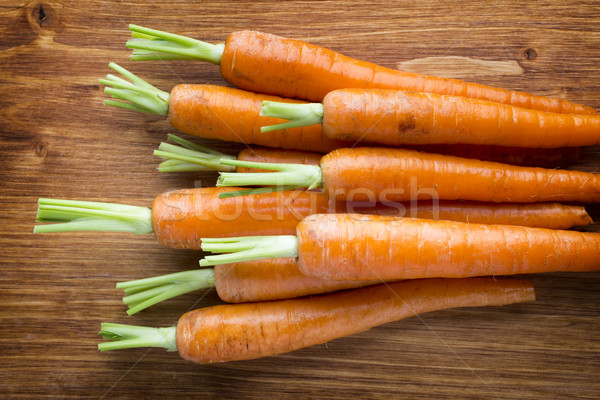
(287, 177)
(297, 114)
(152, 44)
(130, 336)
(190, 156)
(138, 95)
(247, 248)
(72, 216)
(143, 293)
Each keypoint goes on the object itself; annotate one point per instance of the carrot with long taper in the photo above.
(408, 118)
(180, 218)
(253, 330)
(265, 63)
(228, 114)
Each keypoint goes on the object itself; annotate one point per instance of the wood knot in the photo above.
(41, 149)
(42, 15)
(530, 54)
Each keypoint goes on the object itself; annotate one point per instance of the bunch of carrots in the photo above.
(365, 195)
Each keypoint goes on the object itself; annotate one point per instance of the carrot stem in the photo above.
(137, 95)
(143, 293)
(130, 336)
(247, 248)
(152, 44)
(288, 176)
(70, 215)
(297, 114)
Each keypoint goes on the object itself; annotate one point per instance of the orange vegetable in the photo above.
(265, 63)
(382, 174)
(257, 280)
(218, 112)
(180, 218)
(252, 330)
(367, 247)
(399, 118)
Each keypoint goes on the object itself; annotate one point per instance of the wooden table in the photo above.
(58, 140)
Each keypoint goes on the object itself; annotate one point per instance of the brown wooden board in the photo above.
(58, 140)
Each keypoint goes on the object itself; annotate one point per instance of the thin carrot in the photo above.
(367, 247)
(252, 330)
(189, 156)
(380, 174)
(178, 219)
(250, 281)
(186, 155)
(397, 118)
(266, 63)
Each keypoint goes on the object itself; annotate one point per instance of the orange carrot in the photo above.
(217, 112)
(367, 247)
(397, 118)
(380, 174)
(185, 155)
(256, 280)
(265, 63)
(252, 330)
(180, 218)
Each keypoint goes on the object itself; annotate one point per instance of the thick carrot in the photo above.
(380, 174)
(250, 281)
(266, 63)
(398, 118)
(367, 247)
(213, 112)
(180, 218)
(252, 330)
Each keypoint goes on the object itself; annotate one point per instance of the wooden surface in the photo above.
(58, 140)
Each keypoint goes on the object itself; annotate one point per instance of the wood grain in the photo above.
(58, 140)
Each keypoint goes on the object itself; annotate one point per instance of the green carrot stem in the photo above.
(247, 248)
(143, 293)
(297, 114)
(70, 215)
(179, 159)
(137, 94)
(130, 336)
(152, 44)
(287, 176)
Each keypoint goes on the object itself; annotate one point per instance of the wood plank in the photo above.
(58, 140)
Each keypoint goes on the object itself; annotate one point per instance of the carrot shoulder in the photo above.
(252, 330)
(266, 63)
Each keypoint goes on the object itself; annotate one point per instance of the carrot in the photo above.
(397, 118)
(189, 156)
(366, 247)
(266, 63)
(178, 219)
(212, 112)
(380, 174)
(252, 330)
(250, 281)
(216, 112)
